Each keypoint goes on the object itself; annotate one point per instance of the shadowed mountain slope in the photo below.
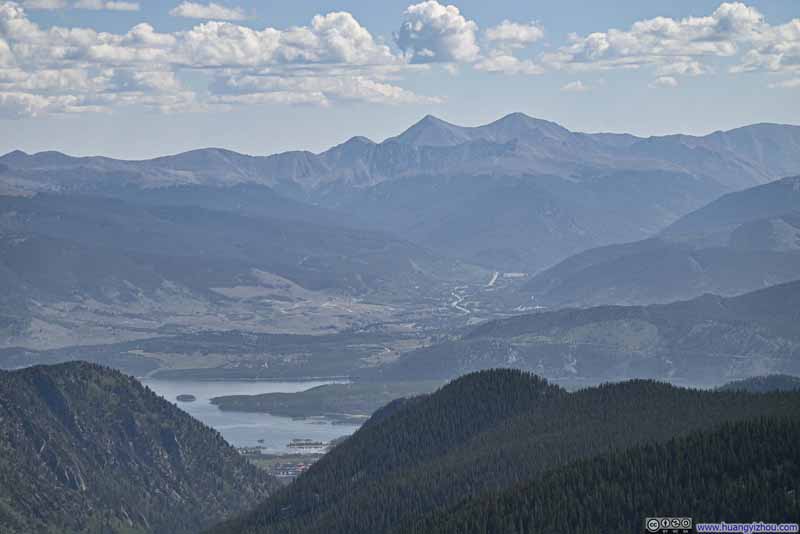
(446, 186)
(747, 470)
(484, 432)
(740, 242)
(85, 449)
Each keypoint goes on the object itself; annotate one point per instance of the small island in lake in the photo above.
(186, 398)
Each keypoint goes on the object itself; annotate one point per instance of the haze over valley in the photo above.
(399, 268)
(379, 247)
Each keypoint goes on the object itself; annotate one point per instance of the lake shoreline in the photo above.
(186, 378)
(273, 433)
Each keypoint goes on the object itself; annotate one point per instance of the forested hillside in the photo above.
(85, 450)
(743, 472)
(487, 431)
(764, 384)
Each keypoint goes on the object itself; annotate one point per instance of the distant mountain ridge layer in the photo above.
(704, 341)
(741, 242)
(84, 449)
(514, 144)
(518, 194)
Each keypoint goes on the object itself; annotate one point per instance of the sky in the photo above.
(138, 79)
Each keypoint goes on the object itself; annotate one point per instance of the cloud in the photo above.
(272, 97)
(664, 41)
(515, 35)
(17, 105)
(44, 4)
(155, 81)
(211, 11)
(504, 41)
(777, 49)
(332, 38)
(786, 84)
(683, 47)
(98, 5)
(682, 67)
(434, 33)
(318, 89)
(6, 56)
(575, 87)
(504, 63)
(664, 82)
(56, 70)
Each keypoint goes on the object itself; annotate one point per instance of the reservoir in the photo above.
(243, 429)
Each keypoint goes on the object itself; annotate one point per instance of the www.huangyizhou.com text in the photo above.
(747, 528)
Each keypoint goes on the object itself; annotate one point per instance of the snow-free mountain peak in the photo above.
(519, 126)
(513, 145)
(432, 131)
(20, 159)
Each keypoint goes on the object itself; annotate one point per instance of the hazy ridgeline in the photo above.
(416, 267)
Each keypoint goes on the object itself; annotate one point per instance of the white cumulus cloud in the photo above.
(331, 38)
(211, 11)
(683, 47)
(663, 40)
(777, 49)
(54, 70)
(433, 33)
(504, 63)
(514, 34)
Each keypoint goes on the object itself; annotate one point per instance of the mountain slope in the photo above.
(735, 209)
(88, 261)
(312, 255)
(86, 449)
(764, 384)
(483, 432)
(525, 223)
(704, 341)
(740, 242)
(520, 145)
(748, 471)
(251, 200)
(557, 191)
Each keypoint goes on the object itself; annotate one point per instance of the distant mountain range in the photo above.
(95, 250)
(85, 450)
(513, 145)
(435, 456)
(740, 242)
(704, 341)
(516, 194)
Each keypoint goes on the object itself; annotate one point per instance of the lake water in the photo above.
(242, 429)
